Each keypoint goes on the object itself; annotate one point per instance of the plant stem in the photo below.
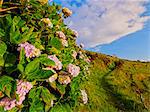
(3, 10)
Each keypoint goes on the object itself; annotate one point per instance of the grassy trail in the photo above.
(116, 85)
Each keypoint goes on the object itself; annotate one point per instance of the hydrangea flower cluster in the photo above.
(64, 79)
(74, 54)
(62, 37)
(64, 42)
(48, 22)
(43, 1)
(58, 64)
(22, 89)
(30, 50)
(75, 33)
(8, 103)
(84, 96)
(81, 55)
(73, 70)
(67, 12)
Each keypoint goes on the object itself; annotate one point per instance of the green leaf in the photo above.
(2, 32)
(35, 102)
(2, 109)
(9, 20)
(61, 89)
(20, 68)
(1, 61)
(26, 35)
(36, 106)
(15, 36)
(46, 61)
(22, 57)
(16, 20)
(10, 59)
(6, 85)
(40, 74)
(3, 48)
(15, 109)
(33, 70)
(32, 67)
(34, 92)
(47, 96)
(55, 42)
(61, 108)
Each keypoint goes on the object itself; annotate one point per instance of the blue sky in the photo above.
(114, 27)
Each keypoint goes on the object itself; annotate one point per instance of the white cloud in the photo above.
(103, 21)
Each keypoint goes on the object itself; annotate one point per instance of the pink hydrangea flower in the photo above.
(61, 35)
(74, 54)
(73, 70)
(75, 33)
(47, 21)
(64, 42)
(81, 55)
(52, 78)
(67, 12)
(8, 103)
(58, 64)
(22, 89)
(84, 96)
(63, 79)
(30, 50)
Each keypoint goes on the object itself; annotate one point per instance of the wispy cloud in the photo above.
(103, 21)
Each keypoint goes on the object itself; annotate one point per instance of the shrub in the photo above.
(39, 71)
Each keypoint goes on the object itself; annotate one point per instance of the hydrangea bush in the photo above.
(41, 67)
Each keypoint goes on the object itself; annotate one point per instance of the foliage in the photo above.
(36, 48)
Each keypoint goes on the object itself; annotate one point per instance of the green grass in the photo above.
(116, 85)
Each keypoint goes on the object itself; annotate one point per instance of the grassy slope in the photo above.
(116, 85)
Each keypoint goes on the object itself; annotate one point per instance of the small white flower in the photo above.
(84, 96)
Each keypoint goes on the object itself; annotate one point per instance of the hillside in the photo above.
(117, 85)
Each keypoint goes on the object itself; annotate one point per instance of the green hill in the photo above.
(117, 85)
